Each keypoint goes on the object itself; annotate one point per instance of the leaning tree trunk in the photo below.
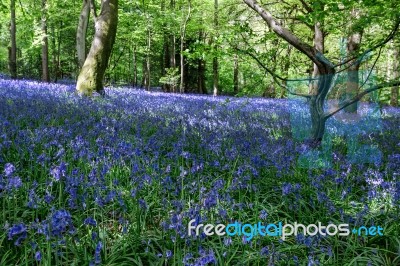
(13, 51)
(91, 76)
(318, 119)
(81, 32)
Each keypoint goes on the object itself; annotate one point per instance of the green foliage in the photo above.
(172, 77)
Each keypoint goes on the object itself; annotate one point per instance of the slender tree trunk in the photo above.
(81, 32)
(54, 52)
(134, 82)
(172, 49)
(352, 86)
(286, 68)
(59, 70)
(13, 50)
(172, 57)
(182, 61)
(145, 76)
(182, 66)
(215, 59)
(235, 74)
(165, 52)
(394, 95)
(319, 41)
(45, 45)
(148, 63)
(91, 76)
(166, 62)
(201, 79)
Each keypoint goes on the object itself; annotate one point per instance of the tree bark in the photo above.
(165, 52)
(352, 86)
(45, 45)
(215, 59)
(13, 51)
(81, 33)
(54, 64)
(394, 95)
(148, 63)
(134, 82)
(236, 74)
(183, 35)
(91, 76)
(319, 41)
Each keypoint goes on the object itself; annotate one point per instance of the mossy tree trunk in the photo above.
(91, 76)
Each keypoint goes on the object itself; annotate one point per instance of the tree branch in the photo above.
(362, 94)
(284, 33)
(306, 6)
(94, 9)
(275, 76)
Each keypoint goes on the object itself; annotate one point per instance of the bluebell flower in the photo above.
(59, 171)
(142, 204)
(61, 222)
(168, 254)
(38, 256)
(97, 253)
(263, 215)
(9, 169)
(19, 230)
(14, 183)
(90, 221)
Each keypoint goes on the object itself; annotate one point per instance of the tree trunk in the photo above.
(134, 82)
(53, 48)
(58, 69)
(201, 78)
(45, 45)
(81, 33)
(13, 51)
(394, 95)
(165, 54)
(144, 74)
(319, 41)
(353, 45)
(325, 68)
(91, 76)
(215, 59)
(236, 74)
(172, 50)
(183, 35)
(148, 60)
(286, 68)
(172, 58)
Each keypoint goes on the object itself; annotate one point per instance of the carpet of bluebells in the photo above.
(115, 180)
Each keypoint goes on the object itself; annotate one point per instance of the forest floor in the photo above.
(117, 180)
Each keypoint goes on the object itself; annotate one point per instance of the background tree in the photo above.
(91, 76)
(13, 49)
(45, 44)
(326, 70)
